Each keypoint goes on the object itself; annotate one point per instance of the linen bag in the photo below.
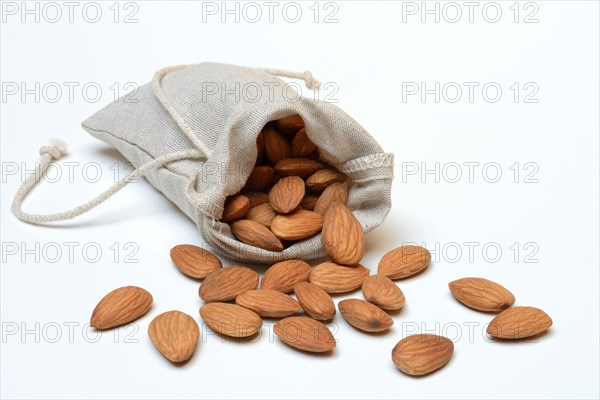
(193, 133)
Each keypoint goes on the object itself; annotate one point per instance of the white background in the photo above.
(371, 54)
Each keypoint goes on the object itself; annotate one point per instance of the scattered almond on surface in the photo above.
(404, 261)
(121, 306)
(227, 283)
(305, 334)
(315, 301)
(230, 319)
(422, 354)
(365, 316)
(335, 278)
(268, 303)
(175, 335)
(194, 261)
(519, 323)
(284, 275)
(383, 292)
(481, 294)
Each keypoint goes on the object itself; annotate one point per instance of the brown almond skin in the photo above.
(286, 194)
(284, 275)
(276, 147)
(305, 334)
(121, 306)
(309, 202)
(316, 302)
(422, 354)
(342, 237)
(256, 198)
(175, 335)
(302, 145)
(383, 292)
(235, 208)
(481, 294)
(227, 283)
(303, 167)
(335, 278)
(255, 234)
(291, 124)
(230, 319)
(263, 214)
(194, 261)
(259, 178)
(298, 225)
(268, 303)
(335, 193)
(365, 316)
(323, 178)
(260, 147)
(404, 261)
(519, 323)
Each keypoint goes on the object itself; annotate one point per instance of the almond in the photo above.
(315, 301)
(121, 306)
(335, 193)
(342, 236)
(421, 354)
(260, 147)
(481, 294)
(268, 303)
(287, 194)
(263, 214)
(284, 275)
(303, 167)
(175, 335)
(309, 202)
(519, 323)
(230, 319)
(235, 208)
(334, 278)
(297, 225)
(301, 145)
(382, 292)
(255, 234)
(256, 198)
(291, 124)
(194, 261)
(321, 179)
(404, 261)
(259, 178)
(305, 334)
(277, 148)
(227, 283)
(364, 315)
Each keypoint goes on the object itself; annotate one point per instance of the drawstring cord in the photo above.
(308, 78)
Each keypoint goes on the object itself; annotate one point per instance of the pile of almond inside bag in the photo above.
(292, 195)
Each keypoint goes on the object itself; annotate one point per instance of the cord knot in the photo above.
(56, 149)
(310, 81)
